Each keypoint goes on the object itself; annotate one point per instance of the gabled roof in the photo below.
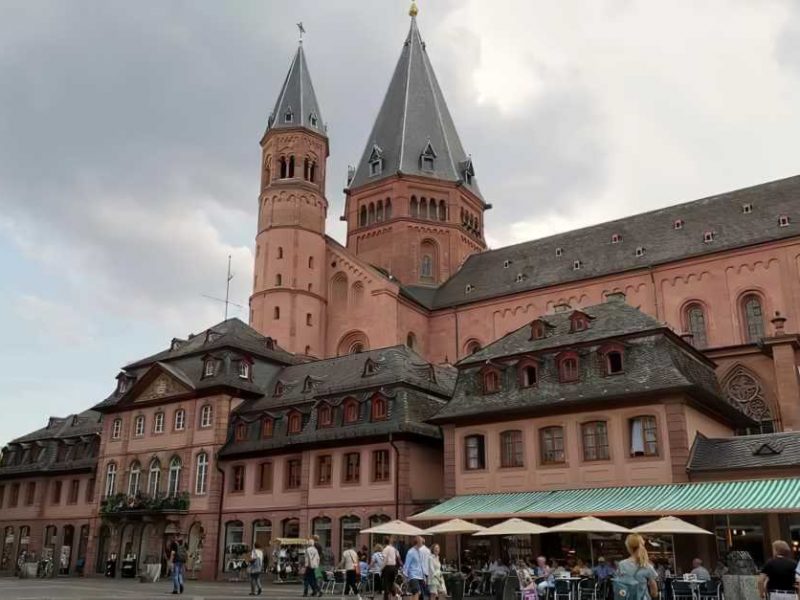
(414, 115)
(654, 231)
(297, 98)
(762, 451)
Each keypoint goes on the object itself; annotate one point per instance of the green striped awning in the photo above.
(757, 495)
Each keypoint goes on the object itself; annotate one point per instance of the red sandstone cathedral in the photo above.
(645, 357)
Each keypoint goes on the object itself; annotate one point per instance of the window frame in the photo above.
(289, 482)
(381, 467)
(201, 474)
(374, 413)
(695, 307)
(116, 429)
(265, 465)
(350, 405)
(480, 449)
(267, 428)
(240, 431)
(206, 416)
(324, 466)
(244, 369)
(553, 442)
(209, 368)
(158, 422)
(490, 380)
(512, 449)
(139, 424)
(179, 418)
(522, 370)
(238, 478)
(746, 327)
(647, 419)
(351, 472)
(562, 360)
(324, 415)
(592, 428)
(294, 422)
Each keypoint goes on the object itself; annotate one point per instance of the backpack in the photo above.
(181, 555)
(627, 587)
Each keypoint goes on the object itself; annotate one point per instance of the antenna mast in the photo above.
(228, 287)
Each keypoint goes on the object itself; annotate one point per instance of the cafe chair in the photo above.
(338, 580)
(682, 590)
(563, 589)
(711, 590)
(587, 589)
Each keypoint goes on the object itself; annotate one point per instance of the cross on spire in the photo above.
(302, 30)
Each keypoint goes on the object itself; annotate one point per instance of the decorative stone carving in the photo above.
(162, 386)
(745, 391)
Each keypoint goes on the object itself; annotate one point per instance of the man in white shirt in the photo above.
(391, 562)
(425, 560)
(312, 564)
(255, 568)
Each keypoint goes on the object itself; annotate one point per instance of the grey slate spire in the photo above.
(297, 104)
(414, 133)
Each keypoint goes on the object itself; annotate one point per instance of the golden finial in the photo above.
(413, 11)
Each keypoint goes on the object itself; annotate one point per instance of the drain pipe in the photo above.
(220, 534)
(396, 477)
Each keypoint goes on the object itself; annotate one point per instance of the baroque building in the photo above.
(642, 357)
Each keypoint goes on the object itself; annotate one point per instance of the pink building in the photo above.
(622, 356)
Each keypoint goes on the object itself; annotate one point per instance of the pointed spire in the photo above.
(297, 104)
(413, 119)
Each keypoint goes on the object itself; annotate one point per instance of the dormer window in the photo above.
(295, 424)
(468, 288)
(350, 410)
(209, 367)
(378, 409)
(308, 385)
(240, 432)
(312, 119)
(783, 221)
(528, 374)
(520, 278)
(288, 116)
(559, 251)
(578, 321)
(267, 427)
(538, 330)
(506, 264)
(640, 251)
(568, 367)
(122, 384)
(279, 388)
(375, 161)
(708, 237)
(677, 224)
(427, 159)
(616, 238)
(613, 362)
(491, 381)
(467, 171)
(576, 265)
(244, 369)
(747, 208)
(370, 367)
(324, 415)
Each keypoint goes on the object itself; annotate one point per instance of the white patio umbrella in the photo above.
(672, 525)
(589, 525)
(396, 527)
(513, 526)
(455, 526)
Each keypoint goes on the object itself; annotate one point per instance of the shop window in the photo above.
(474, 452)
(595, 440)
(644, 436)
(234, 546)
(350, 528)
(551, 440)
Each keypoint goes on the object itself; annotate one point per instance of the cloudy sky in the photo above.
(129, 143)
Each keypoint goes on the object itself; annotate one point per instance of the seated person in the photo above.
(543, 574)
(603, 570)
(699, 571)
(580, 569)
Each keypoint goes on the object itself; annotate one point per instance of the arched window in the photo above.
(379, 409)
(312, 172)
(551, 442)
(423, 208)
(280, 251)
(278, 280)
(371, 213)
(291, 167)
(595, 440)
(528, 374)
(426, 267)
(428, 260)
(379, 211)
(154, 478)
(350, 410)
(358, 293)
(324, 415)
(414, 207)
(474, 452)
(568, 368)
(643, 436)
(695, 322)
(284, 167)
(295, 424)
(473, 346)
(111, 479)
(753, 314)
(442, 211)
(267, 427)
(511, 451)
(306, 169)
(201, 474)
(350, 528)
(174, 482)
(276, 313)
(240, 432)
(411, 340)
(339, 288)
(362, 216)
(206, 414)
(491, 381)
(387, 209)
(133, 478)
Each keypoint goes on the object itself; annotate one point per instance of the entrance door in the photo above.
(65, 555)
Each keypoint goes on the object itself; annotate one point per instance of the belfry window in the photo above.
(375, 161)
(427, 159)
(288, 116)
(312, 119)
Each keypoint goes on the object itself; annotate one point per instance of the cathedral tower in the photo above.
(413, 205)
(288, 301)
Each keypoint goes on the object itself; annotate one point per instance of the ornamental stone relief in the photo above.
(745, 391)
(161, 387)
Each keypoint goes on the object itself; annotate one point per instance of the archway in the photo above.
(197, 535)
(352, 342)
(7, 558)
(103, 544)
(65, 553)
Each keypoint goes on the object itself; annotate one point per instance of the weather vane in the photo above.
(302, 30)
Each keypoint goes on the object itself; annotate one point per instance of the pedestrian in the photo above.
(350, 566)
(777, 578)
(391, 562)
(636, 576)
(425, 560)
(375, 568)
(412, 569)
(436, 587)
(255, 568)
(178, 555)
(312, 564)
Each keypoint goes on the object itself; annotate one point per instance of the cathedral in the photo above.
(635, 368)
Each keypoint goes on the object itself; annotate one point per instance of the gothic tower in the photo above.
(413, 205)
(289, 293)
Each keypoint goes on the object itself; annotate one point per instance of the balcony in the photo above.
(142, 504)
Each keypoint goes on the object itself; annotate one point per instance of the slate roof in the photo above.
(654, 231)
(762, 451)
(43, 446)
(655, 361)
(414, 391)
(297, 98)
(414, 114)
